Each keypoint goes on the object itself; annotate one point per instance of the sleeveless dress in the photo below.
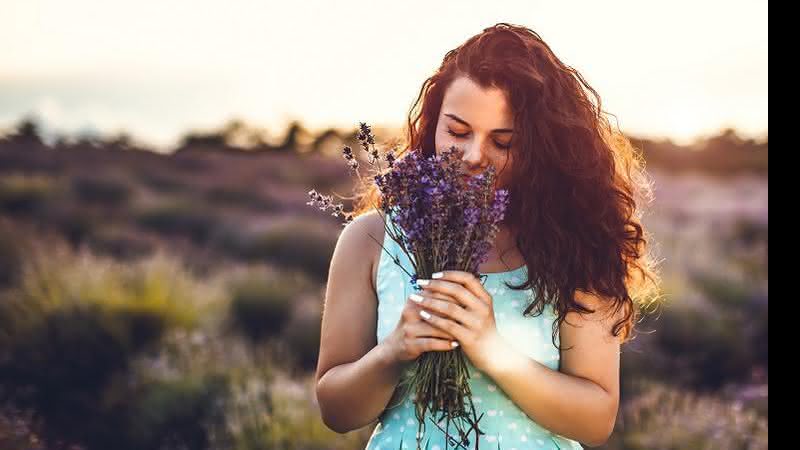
(505, 425)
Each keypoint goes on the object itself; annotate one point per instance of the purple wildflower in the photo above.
(437, 219)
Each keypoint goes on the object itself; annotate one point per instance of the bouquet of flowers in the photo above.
(447, 221)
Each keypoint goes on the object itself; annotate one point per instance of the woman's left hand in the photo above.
(458, 303)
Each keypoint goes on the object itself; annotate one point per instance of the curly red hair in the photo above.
(576, 181)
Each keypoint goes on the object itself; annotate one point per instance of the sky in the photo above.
(158, 69)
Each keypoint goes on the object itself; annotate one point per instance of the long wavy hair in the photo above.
(576, 181)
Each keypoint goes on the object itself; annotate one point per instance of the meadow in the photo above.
(173, 301)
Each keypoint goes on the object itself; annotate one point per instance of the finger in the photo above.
(454, 289)
(440, 296)
(414, 306)
(424, 329)
(436, 295)
(466, 279)
(432, 345)
(454, 328)
(410, 313)
(445, 308)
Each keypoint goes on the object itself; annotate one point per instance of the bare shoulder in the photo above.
(356, 250)
(368, 229)
(601, 321)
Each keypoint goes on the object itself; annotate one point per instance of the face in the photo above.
(480, 124)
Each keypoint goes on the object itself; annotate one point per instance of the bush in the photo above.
(70, 329)
(703, 345)
(296, 244)
(172, 414)
(699, 350)
(750, 232)
(744, 311)
(74, 348)
(303, 338)
(10, 257)
(261, 307)
(23, 194)
(121, 243)
(180, 218)
(163, 183)
(71, 221)
(103, 191)
(287, 419)
(664, 418)
(233, 196)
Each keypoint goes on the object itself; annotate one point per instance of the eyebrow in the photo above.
(460, 120)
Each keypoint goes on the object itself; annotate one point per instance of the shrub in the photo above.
(10, 257)
(261, 307)
(172, 414)
(163, 183)
(24, 194)
(103, 191)
(235, 196)
(180, 218)
(296, 244)
(703, 345)
(303, 338)
(121, 243)
(70, 329)
(665, 418)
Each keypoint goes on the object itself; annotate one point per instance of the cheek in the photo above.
(504, 177)
(443, 141)
(438, 142)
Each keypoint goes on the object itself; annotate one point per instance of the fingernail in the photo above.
(454, 344)
(425, 314)
(437, 275)
(416, 297)
(423, 282)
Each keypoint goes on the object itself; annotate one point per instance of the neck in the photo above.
(505, 239)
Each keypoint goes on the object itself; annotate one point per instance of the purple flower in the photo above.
(437, 219)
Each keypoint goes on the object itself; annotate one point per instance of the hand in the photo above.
(466, 312)
(414, 336)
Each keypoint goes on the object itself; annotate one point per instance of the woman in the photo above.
(571, 235)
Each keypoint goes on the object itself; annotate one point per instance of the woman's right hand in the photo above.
(414, 336)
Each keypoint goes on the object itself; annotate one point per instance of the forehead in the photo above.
(482, 108)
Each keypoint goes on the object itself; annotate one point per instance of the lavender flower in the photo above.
(441, 223)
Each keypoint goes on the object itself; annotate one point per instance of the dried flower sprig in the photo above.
(325, 202)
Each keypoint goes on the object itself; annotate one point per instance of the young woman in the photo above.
(564, 280)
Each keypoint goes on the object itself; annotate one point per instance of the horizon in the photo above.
(50, 136)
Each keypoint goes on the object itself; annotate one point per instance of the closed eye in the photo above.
(460, 136)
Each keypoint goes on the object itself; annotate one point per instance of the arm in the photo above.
(353, 395)
(355, 377)
(580, 401)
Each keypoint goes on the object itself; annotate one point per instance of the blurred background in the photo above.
(162, 279)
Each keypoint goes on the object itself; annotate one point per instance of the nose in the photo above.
(473, 157)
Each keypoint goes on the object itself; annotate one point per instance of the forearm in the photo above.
(353, 395)
(570, 406)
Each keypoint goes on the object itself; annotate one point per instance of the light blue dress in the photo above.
(503, 422)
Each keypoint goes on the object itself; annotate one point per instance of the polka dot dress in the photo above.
(503, 423)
